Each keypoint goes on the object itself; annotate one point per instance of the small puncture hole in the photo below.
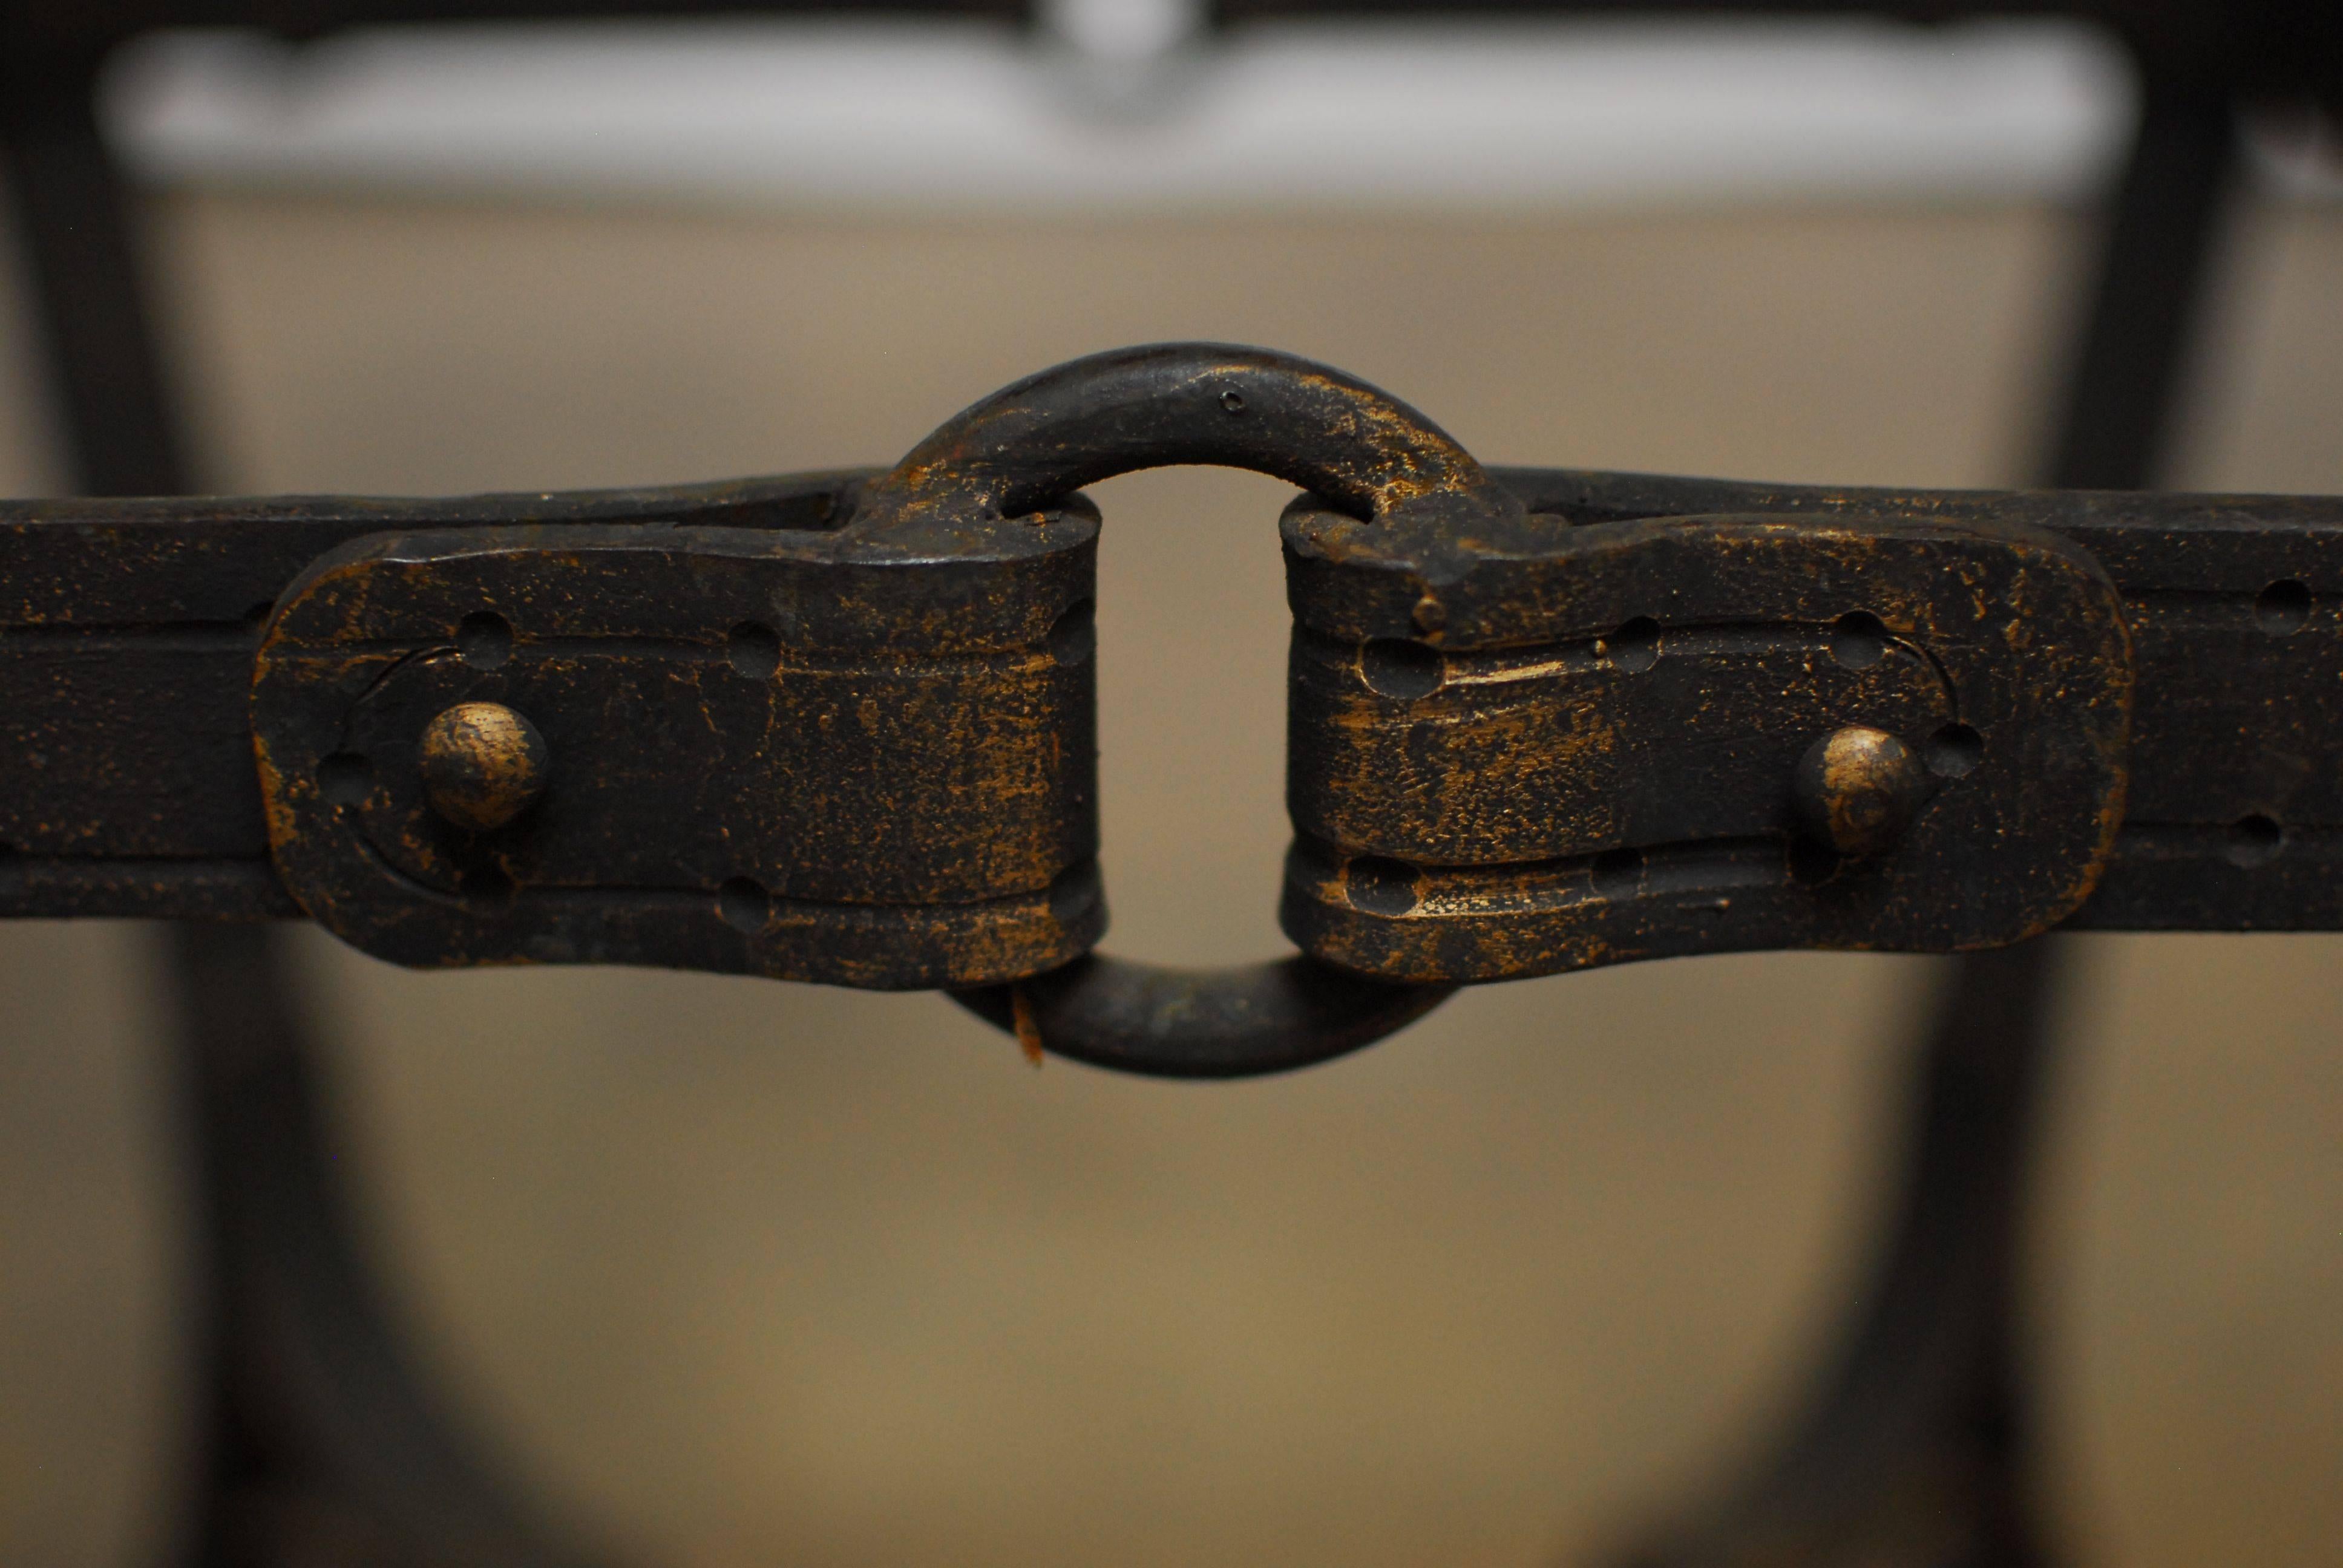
(344, 778)
(1953, 751)
(2255, 840)
(744, 904)
(2283, 608)
(1858, 639)
(1397, 668)
(485, 639)
(1378, 886)
(753, 649)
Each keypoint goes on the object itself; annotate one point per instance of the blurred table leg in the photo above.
(1917, 1447)
(318, 1446)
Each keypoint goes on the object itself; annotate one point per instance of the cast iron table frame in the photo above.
(325, 1446)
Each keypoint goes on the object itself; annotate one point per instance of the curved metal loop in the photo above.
(1168, 404)
(1235, 1023)
(1037, 441)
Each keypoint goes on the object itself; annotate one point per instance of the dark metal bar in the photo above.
(318, 1445)
(1235, 1023)
(1918, 1447)
(2126, 381)
(327, 1447)
(114, 412)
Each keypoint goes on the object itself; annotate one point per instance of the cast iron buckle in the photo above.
(841, 755)
(1580, 744)
(864, 753)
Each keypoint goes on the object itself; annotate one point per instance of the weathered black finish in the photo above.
(1920, 1443)
(1234, 1022)
(1114, 413)
(1917, 1451)
(127, 631)
(839, 728)
(1592, 757)
(815, 755)
(2234, 606)
(311, 1434)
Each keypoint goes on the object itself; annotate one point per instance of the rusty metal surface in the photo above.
(814, 754)
(1593, 758)
(127, 632)
(2234, 609)
(327, 1447)
(840, 727)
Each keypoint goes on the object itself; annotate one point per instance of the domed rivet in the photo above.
(483, 764)
(1857, 789)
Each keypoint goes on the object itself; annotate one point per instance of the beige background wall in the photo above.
(734, 1273)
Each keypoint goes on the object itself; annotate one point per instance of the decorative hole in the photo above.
(1619, 874)
(344, 779)
(744, 904)
(1635, 646)
(1074, 635)
(1953, 751)
(2255, 840)
(1401, 669)
(1858, 639)
(1378, 886)
(2283, 608)
(753, 650)
(485, 639)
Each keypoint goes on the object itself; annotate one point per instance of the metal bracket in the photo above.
(811, 755)
(1576, 745)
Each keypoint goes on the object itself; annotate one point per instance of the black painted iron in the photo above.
(1929, 1390)
(1542, 720)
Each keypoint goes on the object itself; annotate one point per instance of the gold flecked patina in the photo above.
(482, 765)
(1857, 789)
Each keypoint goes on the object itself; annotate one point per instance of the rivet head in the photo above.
(1857, 789)
(483, 764)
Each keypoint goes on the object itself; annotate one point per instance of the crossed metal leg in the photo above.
(322, 1447)
(1916, 1449)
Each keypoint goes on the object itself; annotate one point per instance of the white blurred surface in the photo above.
(1108, 112)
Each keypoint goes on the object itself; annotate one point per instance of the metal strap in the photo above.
(839, 726)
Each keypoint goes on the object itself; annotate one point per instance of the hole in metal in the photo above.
(344, 779)
(1377, 886)
(2283, 608)
(485, 639)
(1395, 667)
(1074, 635)
(1635, 646)
(2255, 840)
(1619, 874)
(1858, 639)
(744, 905)
(1953, 751)
(753, 650)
